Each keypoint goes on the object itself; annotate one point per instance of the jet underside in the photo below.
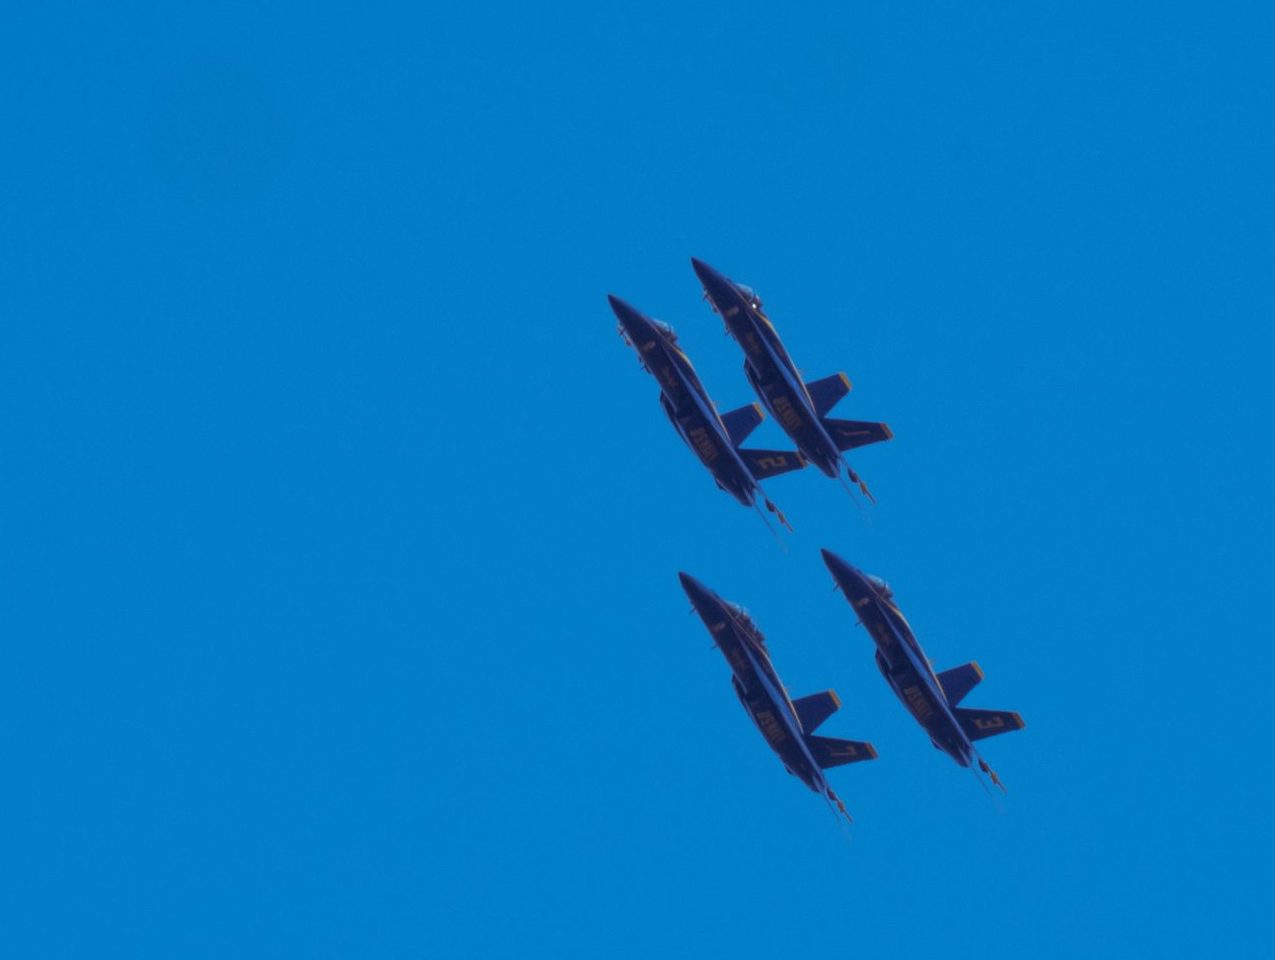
(686, 403)
(899, 659)
(776, 381)
(762, 695)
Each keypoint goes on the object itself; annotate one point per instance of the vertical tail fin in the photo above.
(826, 392)
(831, 752)
(980, 724)
(815, 709)
(741, 422)
(764, 464)
(959, 681)
(848, 434)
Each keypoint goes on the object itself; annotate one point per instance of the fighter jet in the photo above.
(715, 438)
(788, 725)
(931, 698)
(800, 408)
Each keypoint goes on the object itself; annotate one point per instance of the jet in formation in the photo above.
(715, 438)
(799, 408)
(787, 725)
(932, 698)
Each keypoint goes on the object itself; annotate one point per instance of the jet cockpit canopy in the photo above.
(883, 588)
(750, 295)
(665, 329)
(743, 617)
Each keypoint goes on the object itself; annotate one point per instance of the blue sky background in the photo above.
(340, 530)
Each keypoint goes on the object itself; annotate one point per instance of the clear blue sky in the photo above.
(340, 531)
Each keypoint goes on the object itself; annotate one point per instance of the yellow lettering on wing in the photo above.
(703, 443)
(917, 701)
(787, 414)
(771, 728)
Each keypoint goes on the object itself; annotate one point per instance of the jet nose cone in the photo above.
(699, 594)
(632, 322)
(721, 290)
(840, 569)
(854, 583)
(619, 307)
(707, 275)
(689, 583)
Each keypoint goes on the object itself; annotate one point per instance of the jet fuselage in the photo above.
(769, 368)
(901, 659)
(755, 681)
(686, 402)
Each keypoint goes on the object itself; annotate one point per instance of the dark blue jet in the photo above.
(715, 438)
(931, 698)
(788, 725)
(799, 408)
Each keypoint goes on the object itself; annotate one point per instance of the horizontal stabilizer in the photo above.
(815, 709)
(959, 681)
(770, 463)
(848, 434)
(979, 724)
(740, 423)
(831, 752)
(826, 392)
